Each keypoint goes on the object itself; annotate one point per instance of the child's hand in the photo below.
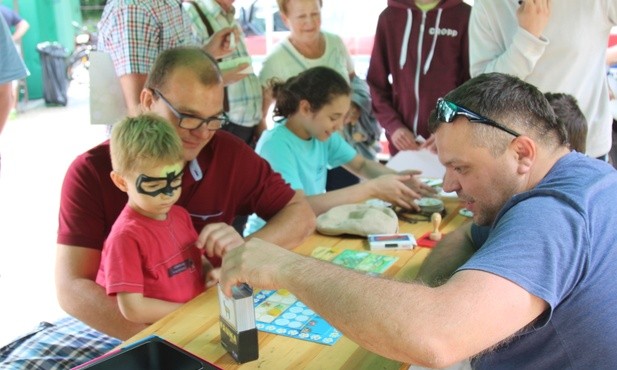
(212, 274)
(400, 189)
(218, 238)
(417, 185)
(392, 189)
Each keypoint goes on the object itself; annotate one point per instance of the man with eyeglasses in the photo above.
(528, 285)
(222, 177)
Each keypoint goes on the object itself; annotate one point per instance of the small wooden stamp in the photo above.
(436, 221)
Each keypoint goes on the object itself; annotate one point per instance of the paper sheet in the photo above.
(107, 105)
(422, 160)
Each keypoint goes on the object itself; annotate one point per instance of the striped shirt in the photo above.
(134, 32)
(63, 344)
(244, 96)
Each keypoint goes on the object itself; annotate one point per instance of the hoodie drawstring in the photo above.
(405, 44)
(432, 52)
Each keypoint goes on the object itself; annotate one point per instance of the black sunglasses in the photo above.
(448, 111)
(190, 122)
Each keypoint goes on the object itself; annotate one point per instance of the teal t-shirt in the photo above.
(303, 164)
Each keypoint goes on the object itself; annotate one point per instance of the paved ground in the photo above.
(36, 147)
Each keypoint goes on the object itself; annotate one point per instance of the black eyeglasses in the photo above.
(448, 111)
(190, 122)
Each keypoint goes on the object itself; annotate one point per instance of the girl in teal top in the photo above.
(305, 143)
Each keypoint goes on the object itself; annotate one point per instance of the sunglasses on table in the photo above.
(448, 111)
(191, 122)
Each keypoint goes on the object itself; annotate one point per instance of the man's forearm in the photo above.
(375, 313)
(291, 225)
(449, 254)
(404, 321)
(88, 302)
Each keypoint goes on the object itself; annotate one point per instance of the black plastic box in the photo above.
(241, 345)
(237, 323)
(151, 353)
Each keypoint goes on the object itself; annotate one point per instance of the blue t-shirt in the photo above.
(12, 67)
(303, 164)
(558, 241)
(10, 16)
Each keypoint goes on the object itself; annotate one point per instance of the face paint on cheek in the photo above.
(154, 186)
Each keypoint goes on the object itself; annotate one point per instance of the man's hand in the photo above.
(218, 239)
(233, 75)
(533, 16)
(219, 45)
(257, 263)
(403, 139)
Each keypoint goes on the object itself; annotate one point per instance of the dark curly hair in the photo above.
(317, 85)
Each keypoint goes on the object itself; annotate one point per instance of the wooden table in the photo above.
(195, 325)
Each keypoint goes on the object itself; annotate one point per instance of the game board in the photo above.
(280, 312)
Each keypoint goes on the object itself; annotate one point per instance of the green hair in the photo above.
(144, 141)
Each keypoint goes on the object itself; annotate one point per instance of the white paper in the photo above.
(107, 105)
(422, 160)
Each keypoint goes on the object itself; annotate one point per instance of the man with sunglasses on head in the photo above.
(222, 177)
(531, 282)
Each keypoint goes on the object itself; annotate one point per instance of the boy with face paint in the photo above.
(150, 260)
(223, 178)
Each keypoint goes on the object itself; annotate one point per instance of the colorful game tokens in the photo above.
(465, 212)
(429, 206)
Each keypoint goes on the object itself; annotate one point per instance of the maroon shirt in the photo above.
(413, 92)
(236, 181)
